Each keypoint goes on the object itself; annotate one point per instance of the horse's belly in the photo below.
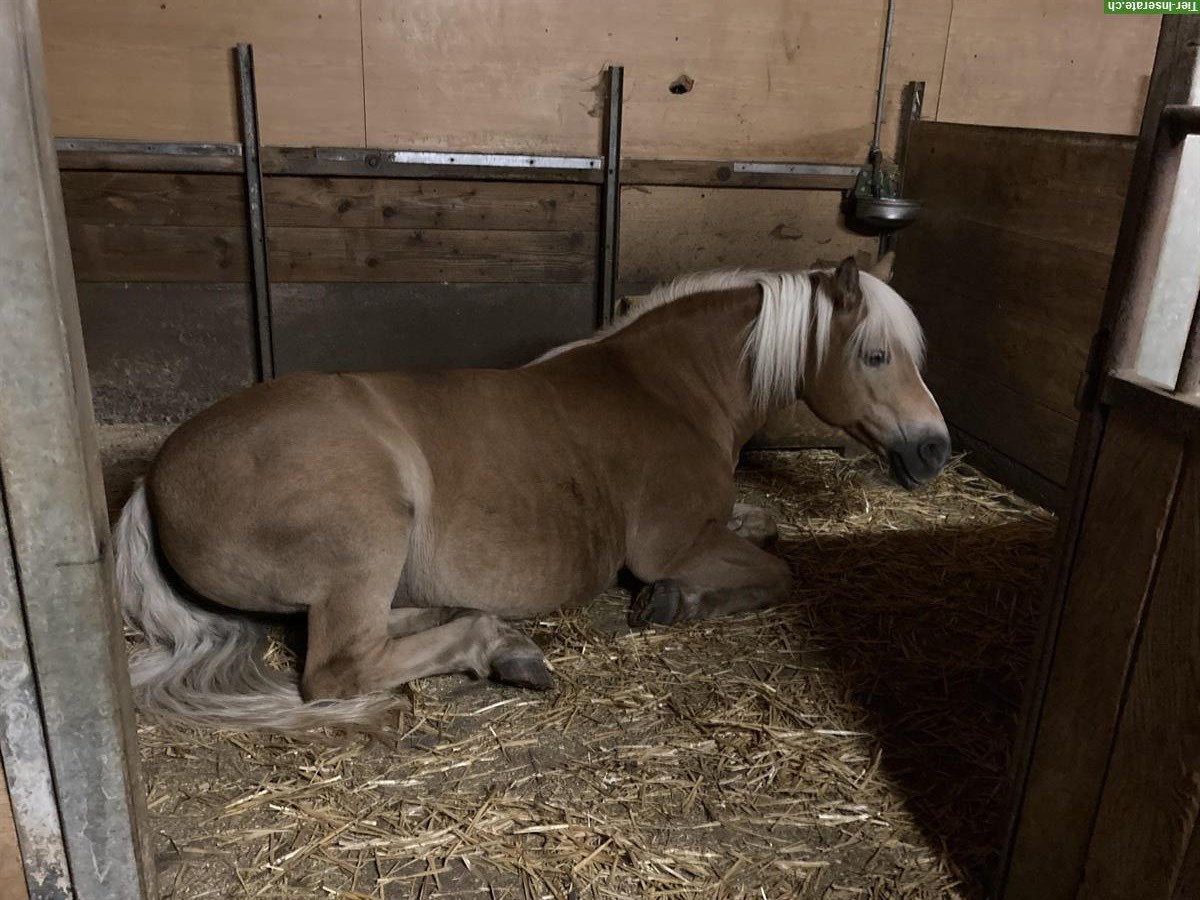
(518, 572)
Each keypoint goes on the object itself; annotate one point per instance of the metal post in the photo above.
(67, 733)
(255, 214)
(610, 204)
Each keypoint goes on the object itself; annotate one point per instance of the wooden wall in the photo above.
(774, 79)
(1007, 269)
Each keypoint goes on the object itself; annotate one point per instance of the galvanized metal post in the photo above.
(911, 101)
(255, 212)
(66, 722)
(610, 204)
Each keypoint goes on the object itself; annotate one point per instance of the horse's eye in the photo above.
(876, 358)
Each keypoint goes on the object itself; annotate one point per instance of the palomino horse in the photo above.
(408, 515)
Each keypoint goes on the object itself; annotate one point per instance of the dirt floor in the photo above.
(851, 744)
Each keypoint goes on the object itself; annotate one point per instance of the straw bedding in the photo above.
(852, 744)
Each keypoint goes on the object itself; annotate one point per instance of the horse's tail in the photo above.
(203, 666)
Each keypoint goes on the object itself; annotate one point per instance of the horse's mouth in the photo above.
(900, 472)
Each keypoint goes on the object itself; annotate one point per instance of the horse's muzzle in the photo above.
(916, 461)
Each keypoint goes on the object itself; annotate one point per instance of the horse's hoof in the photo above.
(656, 604)
(523, 671)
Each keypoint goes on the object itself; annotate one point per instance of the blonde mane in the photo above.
(794, 320)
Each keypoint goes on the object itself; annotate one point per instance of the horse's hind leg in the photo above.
(351, 653)
(721, 573)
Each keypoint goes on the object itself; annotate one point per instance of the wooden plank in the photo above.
(1151, 798)
(161, 352)
(147, 198)
(1034, 435)
(1187, 882)
(158, 253)
(1135, 479)
(12, 871)
(388, 203)
(164, 71)
(1076, 69)
(379, 254)
(349, 327)
(668, 231)
(957, 268)
(984, 333)
(109, 161)
(1063, 187)
(774, 79)
(714, 173)
(1007, 269)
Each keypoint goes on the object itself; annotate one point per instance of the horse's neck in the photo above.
(689, 353)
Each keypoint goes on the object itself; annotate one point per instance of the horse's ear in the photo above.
(884, 266)
(847, 293)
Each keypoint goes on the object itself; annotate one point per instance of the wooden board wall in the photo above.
(1061, 65)
(774, 79)
(163, 69)
(1007, 268)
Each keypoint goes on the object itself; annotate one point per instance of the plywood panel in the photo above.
(401, 203)
(394, 254)
(1134, 482)
(1038, 64)
(774, 79)
(668, 231)
(1151, 797)
(154, 70)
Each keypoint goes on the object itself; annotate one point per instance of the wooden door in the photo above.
(1109, 767)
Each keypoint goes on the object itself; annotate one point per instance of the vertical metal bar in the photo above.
(62, 637)
(610, 203)
(255, 213)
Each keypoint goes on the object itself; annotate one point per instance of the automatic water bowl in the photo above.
(874, 202)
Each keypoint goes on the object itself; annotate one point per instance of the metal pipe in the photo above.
(876, 151)
(610, 226)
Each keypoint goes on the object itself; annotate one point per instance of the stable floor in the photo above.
(851, 744)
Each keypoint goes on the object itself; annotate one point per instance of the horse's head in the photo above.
(868, 380)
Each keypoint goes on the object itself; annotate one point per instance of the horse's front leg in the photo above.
(721, 573)
(754, 524)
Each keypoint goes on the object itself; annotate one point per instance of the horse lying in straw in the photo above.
(409, 515)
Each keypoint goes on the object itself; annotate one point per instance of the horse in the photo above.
(410, 516)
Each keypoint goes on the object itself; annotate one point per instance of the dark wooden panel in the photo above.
(390, 203)
(1007, 269)
(1119, 542)
(392, 255)
(115, 161)
(1029, 484)
(334, 327)
(1033, 435)
(1063, 187)
(153, 198)
(1151, 796)
(158, 252)
(161, 352)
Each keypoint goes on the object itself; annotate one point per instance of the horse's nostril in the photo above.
(934, 452)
